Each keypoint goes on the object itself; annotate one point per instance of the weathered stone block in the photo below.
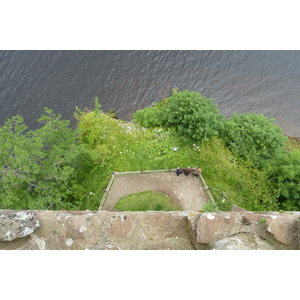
(298, 227)
(17, 224)
(242, 241)
(252, 218)
(214, 226)
(284, 228)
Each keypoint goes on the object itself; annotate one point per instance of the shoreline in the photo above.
(294, 138)
(293, 143)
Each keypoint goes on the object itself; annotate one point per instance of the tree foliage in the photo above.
(284, 172)
(19, 167)
(36, 167)
(253, 137)
(189, 113)
(150, 117)
(193, 116)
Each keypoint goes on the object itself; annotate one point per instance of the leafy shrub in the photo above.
(189, 113)
(253, 137)
(37, 167)
(150, 117)
(193, 116)
(284, 172)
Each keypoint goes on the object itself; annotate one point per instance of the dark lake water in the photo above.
(265, 82)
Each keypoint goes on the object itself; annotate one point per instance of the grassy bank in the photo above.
(121, 146)
(244, 159)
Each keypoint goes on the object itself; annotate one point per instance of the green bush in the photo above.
(191, 115)
(284, 172)
(37, 167)
(149, 117)
(253, 137)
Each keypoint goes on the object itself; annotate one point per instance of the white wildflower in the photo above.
(174, 148)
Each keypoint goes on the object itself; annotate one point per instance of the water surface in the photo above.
(265, 82)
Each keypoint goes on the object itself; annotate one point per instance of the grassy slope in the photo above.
(120, 146)
(231, 182)
(148, 200)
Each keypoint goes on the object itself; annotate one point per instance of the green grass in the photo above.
(148, 200)
(232, 182)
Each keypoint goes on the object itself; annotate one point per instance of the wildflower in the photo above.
(174, 148)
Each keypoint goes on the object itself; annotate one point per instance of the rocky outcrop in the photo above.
(284, 228)
(17, 224)
(214, 226)
(242, 241)
(106, 230)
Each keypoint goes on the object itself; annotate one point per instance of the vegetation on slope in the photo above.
(243, 158)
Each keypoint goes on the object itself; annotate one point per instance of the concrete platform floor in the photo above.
(186, 190)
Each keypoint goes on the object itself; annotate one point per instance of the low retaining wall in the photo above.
(47, 230)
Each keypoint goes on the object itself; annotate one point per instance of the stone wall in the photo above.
(107, 230)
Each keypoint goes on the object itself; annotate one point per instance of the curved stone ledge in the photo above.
(106, 230)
